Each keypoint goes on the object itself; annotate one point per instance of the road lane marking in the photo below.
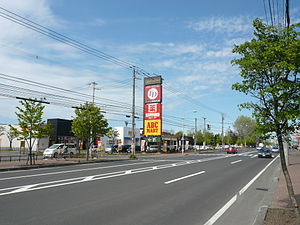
(72, 171)
(236, 161)
(57, 183)
(218, 214)
(181, 178)
(255, 178)
(253, 156)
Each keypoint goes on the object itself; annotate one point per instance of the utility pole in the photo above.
(182, 138)
(222, 131)
(204, 132)
(133, 111)
(93, 84)
(195, 138)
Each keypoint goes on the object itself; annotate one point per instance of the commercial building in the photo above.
(38, 144)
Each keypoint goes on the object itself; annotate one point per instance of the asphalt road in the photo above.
(188, 189)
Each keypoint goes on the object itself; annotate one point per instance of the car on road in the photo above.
(60, 149)
(275, 149)
(232, 150)
(264, 153)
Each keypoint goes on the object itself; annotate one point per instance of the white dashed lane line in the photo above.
(236, 161)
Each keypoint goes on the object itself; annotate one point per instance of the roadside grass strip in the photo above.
(57, 183)
(221, 211)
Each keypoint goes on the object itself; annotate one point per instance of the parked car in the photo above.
(232, 150)
(137, 149)
(111, 149)
(125, 148)
(152, 148)
(55, 150)
(264, 153)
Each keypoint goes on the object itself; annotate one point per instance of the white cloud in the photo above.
(222, 25)
(225, 52)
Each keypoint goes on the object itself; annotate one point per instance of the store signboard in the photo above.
(152, 111)
(153, 93)
(152, 127)
(153, 106)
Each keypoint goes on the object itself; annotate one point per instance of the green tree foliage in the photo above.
(11, 135)
(270, 67)
(88, 124)
(113, 133)
(245, 127)
(31, 123)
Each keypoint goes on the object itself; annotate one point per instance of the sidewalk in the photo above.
(280, 211)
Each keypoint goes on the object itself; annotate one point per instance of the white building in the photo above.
(39, 144)
(125, 135)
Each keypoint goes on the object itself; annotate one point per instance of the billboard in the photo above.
(152, 127)
(152, 93)
(153, 106)
(152, 111)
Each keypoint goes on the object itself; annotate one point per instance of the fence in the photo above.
(19, 157)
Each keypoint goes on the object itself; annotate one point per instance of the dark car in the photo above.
(137, 149)
(232, 150)
(125, 148)
(264, 153)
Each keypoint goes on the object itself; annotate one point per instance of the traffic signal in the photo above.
(208, 126)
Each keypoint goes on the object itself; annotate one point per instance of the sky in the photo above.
(188, 42)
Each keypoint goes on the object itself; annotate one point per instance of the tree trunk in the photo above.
(30, 151)
(286, 174)
(10, 145)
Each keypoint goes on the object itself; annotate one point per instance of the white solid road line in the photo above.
(181, 178)
(253, 156)
(255, 178)
(236, 161)
(218, 214)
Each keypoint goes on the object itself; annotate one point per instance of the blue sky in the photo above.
(188, 42)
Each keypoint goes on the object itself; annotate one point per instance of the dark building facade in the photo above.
(61, 131)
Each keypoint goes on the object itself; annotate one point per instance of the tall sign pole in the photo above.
(133, 111)
(153, 109)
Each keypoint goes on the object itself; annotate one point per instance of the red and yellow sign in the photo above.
(153, 93)
(153, 111)
(152, 127)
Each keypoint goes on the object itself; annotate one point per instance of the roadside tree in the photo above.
(113, 134)
(88, 124)
(31, 124)
(245, 126)
(270, 68)
(11, 134)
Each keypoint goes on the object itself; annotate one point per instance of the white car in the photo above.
(54, 150)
